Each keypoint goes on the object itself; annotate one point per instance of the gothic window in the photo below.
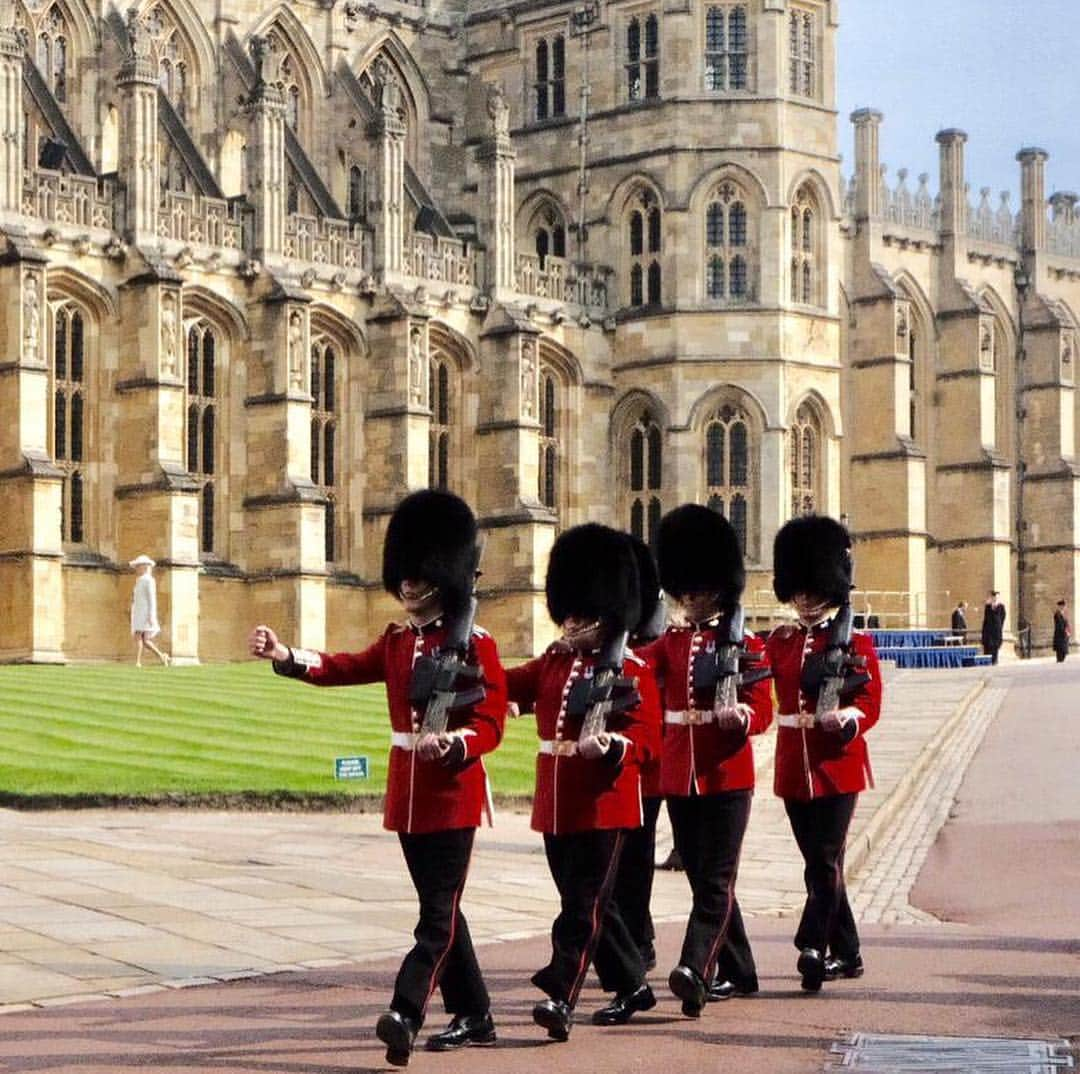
(173, 172)
(643, 58)
(727, 249)
(549, 235)
(550, 447)
(170, 51)
(324, 411)
(356, 202)
(731, 471)
(442, 405)
(726, 48)
(550, 84)
(805, 458)
(202, 346)
(645, 471)
(287, 80)
(69, 414)
(52, 52)
(802, 53)
(806, 267)
(913, 386)
(644, 226)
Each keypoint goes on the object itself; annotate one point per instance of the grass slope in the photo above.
(109, 730)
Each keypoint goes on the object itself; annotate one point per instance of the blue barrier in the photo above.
(908, 639)
(946, 656)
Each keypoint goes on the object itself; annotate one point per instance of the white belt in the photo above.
(792, 719)
(558, 748)
(690, 717)
(404, 740)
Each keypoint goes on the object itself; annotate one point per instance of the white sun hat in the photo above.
(141, 561)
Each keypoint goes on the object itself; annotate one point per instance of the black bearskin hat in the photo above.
(812, 555)
(432, 536)
(593, 573)
(653, 613)
(698, 551)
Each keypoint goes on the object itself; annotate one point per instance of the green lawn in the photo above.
(120, 731)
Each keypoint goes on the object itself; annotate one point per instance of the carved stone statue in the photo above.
(416, 366)
(296, 351)
(259, 47)
(168, 335)
(528, 378)
(31, 319)
(499, 111)
(139, 37)
(389, 92)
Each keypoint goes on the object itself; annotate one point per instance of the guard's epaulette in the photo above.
(784, 630)
(395, 628)
(634, 658)
(480, 632)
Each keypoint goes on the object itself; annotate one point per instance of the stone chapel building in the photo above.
(269, 266)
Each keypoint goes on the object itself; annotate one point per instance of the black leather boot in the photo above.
(398, 1032)
(463, 1030)
(554, 1016)
(843, 967)
(811, 965)
(619, 1011)
(690, 988)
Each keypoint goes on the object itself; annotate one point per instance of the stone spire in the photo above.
(388, 130)
(138, 158)
(265, 110)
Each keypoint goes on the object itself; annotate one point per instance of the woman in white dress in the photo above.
(144, 620)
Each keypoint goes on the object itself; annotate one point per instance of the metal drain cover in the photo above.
(884, 1053)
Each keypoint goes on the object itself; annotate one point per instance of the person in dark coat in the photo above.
(959, 621)
(993, 625)
(1062, 632)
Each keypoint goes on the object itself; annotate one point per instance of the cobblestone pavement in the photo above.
(110, 904)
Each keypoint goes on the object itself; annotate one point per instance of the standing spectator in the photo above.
(1062, 632)
(144, 620)
(959, 621)
(993, 625)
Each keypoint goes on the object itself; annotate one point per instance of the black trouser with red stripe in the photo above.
(820, 827)
(589, 927)
(708, 831)
(443, 955)
(634, 878)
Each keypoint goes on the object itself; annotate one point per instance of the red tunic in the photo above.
(574, 793)
(702, 758)
(812, 762)
(426, 796)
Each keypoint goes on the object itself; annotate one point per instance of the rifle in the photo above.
(730, 666)
(608, 691)
(837, 670)
(435, 679)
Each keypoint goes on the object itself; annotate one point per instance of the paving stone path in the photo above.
(115, 903)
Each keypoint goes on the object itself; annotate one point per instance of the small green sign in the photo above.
(351, 768)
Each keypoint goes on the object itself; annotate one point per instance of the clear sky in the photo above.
(1005, 71)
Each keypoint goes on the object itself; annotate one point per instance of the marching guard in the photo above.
(588, 786)
(637, 864)
(707, 772)
(828, 686)
(436, 784)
